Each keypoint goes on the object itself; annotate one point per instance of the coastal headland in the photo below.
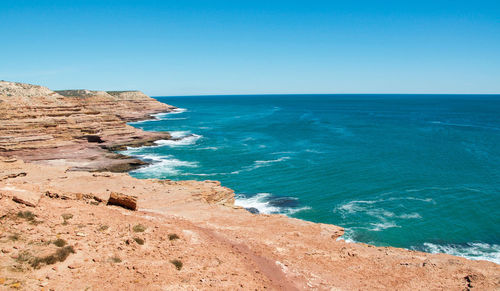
(58, 168)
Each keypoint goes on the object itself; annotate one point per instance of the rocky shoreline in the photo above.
(79, 128)
(58, 232)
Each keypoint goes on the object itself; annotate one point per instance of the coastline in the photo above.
(272, 251)
(171, 159)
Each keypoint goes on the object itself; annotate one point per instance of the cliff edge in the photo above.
(76, 128)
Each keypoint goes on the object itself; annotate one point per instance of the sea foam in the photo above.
(267, 204)
(473, 251)
(162, 115)
(183, 141)
(163, 165)
(259, 202)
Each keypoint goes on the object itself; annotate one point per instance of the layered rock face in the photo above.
(74, 127)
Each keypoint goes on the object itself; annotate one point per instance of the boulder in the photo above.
(125, 201)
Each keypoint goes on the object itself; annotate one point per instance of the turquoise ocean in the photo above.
(414, 171)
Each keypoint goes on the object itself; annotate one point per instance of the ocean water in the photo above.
(414, 171)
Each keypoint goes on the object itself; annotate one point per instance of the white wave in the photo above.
(313, 151)
(259, 202)
(429, 200)
(290, 211)
(347, 237)
(208, 148)
(464, 125)
(140, 121)
(364, 206)
(473, 251)
(179, 134)
(383, 225)
(200, 174)
(410, 216)
(358, 206)
(178, 110)
(260, 164)
(132, 151)
(381, 218)
(164, 165)
(163, 115)
(175, 118)
(188, 140)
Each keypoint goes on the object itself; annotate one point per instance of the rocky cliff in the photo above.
(74, 127)
(58, 233)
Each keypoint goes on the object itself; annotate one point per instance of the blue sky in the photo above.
(187, 47)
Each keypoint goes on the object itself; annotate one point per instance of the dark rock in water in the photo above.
(253, 210)
(284, 202)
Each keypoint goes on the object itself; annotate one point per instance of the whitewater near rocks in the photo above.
(381, 166)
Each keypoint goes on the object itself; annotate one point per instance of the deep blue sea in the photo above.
(413, 171)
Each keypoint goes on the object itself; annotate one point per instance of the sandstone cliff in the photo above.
(185, 235)
(74, 127)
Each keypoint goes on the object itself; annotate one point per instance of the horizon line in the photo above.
(301, 94)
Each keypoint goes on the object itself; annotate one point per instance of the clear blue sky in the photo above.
(186, 47)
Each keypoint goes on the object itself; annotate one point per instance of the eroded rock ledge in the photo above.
(74, 127)
(58, 233)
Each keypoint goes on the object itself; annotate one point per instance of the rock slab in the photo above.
(125, 201)
(26, 197)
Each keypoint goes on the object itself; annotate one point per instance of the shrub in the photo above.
(139, 228)
(173, 236)
(59, 256)
(103, 227)
(28, 215)
(139, 240)
(177, 264)
(115, 259)
(24, 257)
(66, 217)
(60, 242)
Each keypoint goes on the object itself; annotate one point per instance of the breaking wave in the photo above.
(162, 166)
(265, 203)
(473, 251)
(182, 141)
(163, 115)
(260, 164)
